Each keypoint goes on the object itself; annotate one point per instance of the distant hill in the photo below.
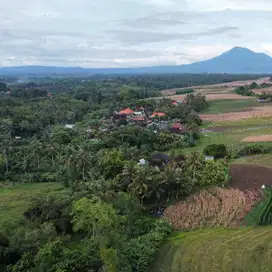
(236, 61)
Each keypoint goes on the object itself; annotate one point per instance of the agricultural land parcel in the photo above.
(241, 249)
(234, 249)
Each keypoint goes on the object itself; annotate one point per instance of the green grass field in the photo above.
(254, 216)
(264, 121)
(15, 200)
(213, 250)
(224, 106)
(261, 160)
(231, 138)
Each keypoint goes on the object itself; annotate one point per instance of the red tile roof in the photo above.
(158, 114)
(127, 111)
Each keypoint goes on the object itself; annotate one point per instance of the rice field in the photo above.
(243, 249)
(212, 208)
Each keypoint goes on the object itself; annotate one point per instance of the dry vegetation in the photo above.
(211, 208)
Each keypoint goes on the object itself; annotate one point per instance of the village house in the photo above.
(178, 128)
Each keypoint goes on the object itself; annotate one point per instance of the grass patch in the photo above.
(15, 200)
(213, 250)
(224, 106)
(231, 138)
(253, 218)
(261, 160)
(245, 122)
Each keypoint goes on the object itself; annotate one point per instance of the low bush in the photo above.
(244, 90)
(218, 151)
(185, 91)
(253, 149)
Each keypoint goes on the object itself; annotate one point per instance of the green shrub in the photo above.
(218, 151)
(141, 250)
(244, 90)
(185, 91)
(253, 149)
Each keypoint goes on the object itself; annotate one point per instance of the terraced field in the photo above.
(213, 250)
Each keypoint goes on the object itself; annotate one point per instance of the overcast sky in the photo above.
(129, 33)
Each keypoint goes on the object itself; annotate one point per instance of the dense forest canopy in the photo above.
(114, 169)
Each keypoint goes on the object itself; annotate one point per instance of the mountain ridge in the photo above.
(238, 60)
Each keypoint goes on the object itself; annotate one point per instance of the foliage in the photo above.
(184, 91)
(261, 213)
(253, 149)
(218, 151)
(244, 90)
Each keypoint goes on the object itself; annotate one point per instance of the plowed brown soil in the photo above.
(249, 177)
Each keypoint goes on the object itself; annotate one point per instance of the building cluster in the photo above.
(139, 117)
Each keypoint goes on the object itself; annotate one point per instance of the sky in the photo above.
(129, 33)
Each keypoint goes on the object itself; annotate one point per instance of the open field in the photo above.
(224, 106)
(259, 160)
(255, 112)
(243, 123)
(230, 137)
(221, 86)
(257, 139)
(213, 250)
(266, 90)
(14, 200)
(213, 96)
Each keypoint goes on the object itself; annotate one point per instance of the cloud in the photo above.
(141, 37)
(121, 33)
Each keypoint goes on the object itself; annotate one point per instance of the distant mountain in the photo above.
(236, 61)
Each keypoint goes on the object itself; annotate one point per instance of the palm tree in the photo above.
(36, 149)
(168, 177)
(83, 161)
(139, 185)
